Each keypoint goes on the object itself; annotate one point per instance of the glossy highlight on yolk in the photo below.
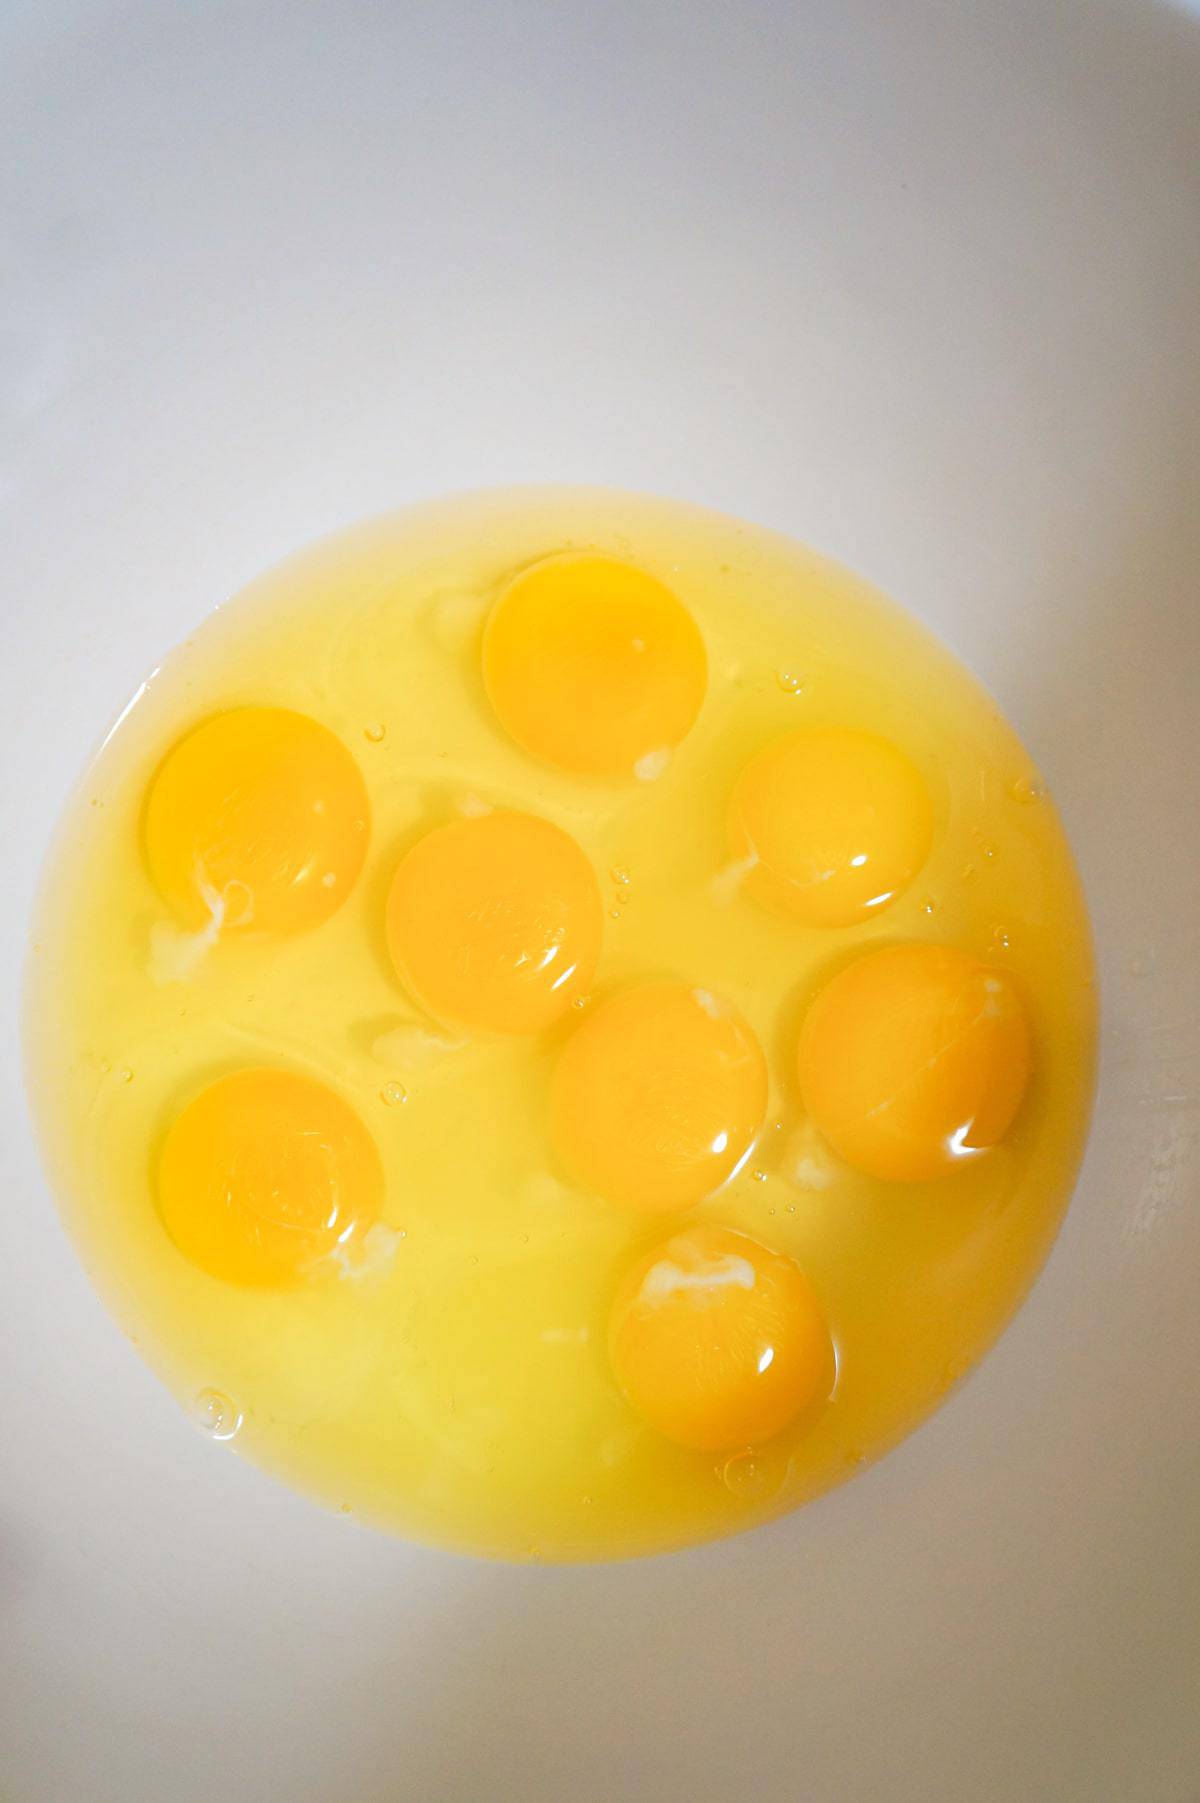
(913, 1059)
(494, 923)
(258, 820)
(658, 1097)
(718, 1342)
(593, 665)
(831, 823)
(264, 1173)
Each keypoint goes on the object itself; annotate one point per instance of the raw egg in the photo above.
(717, 1342)
(831, 825)
(257, 820)
(495, 922)
(658, 1096)
(594, 665)
(264, 1174)
(915, 1059)
(466, 1049)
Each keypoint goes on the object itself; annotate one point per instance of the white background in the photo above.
(916, 280)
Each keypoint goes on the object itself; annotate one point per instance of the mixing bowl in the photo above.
(917, 283)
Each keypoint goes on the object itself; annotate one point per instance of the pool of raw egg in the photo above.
(561, 1023)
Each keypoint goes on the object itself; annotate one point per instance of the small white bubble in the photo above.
(619, 875)
(1027, 789)
(789, 682)
(393, 1094)
(124, 1075)
(216, 1415)
(649, 768)
(752, 1477)
(329, 880)
(376, 732)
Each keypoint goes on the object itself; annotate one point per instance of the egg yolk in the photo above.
(593, 665)
(832, 825)
(495, 923)
(718, 1342)
(913, 1059)
(657, 1098)
(264, 1173)
(257, 819)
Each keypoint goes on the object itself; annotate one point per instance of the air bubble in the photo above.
(619, 875)
(753, 1477)
(124, 1075)
(789, 682)
(759, 1176)
(652, 765)
(929, 905)
(1027, 789)
(376, 732)
(392, 1094)
(216, 1415)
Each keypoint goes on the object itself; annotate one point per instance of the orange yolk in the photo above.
(495, 923)
(593, 665)
(257, 819)
(718, 1342)
(264, 1173)
(913, 1059)
(832, 825)
(657, 1099)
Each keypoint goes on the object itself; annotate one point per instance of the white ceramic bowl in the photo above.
(917, 282)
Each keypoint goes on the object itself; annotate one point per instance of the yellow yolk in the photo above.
(657, 1098)
(495, 922)
(913, 1059)
(718, 1342)
(832, 825)
(257, 819)
(593, 665)
(264, 1173)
